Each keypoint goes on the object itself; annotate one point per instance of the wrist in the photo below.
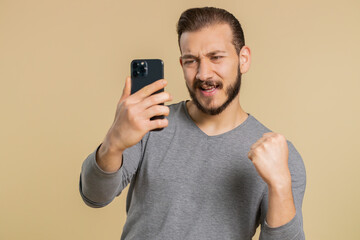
(109, 159)
(281, 182)
(281, 190)
(107, 148)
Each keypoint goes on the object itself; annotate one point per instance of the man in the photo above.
(214, 171)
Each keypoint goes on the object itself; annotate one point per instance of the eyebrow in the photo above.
(187, 56)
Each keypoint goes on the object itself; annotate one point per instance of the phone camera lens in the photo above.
(136, 73)
(135, 65)
(142, 70)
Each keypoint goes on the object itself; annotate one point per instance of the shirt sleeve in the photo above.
(97, 187)
(292, 230)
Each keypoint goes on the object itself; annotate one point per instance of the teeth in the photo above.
(208, 87)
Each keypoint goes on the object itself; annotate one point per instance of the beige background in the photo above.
(62, 70)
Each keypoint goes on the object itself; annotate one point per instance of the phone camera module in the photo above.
(136, 73)
(140, 69)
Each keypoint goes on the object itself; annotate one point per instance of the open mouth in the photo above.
(208, 88)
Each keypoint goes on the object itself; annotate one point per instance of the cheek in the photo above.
(227, 70)
(189, 75)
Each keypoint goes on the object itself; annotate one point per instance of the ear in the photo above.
(181, 62)
(244, 59)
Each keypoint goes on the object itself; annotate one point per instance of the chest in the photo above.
(184, 163)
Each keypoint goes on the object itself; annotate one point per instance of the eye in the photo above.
(216, 58)
(189, 62)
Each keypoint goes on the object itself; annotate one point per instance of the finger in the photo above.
(150, 89)
(159, 123)
(127, 89)
(250, 155)
(268, 134)
(156, 110)
(156, 99)
(257, 143)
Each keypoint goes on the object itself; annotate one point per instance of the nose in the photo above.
(204, 71)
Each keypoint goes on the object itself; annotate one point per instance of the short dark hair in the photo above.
(195, 19)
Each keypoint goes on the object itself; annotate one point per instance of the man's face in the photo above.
(211, 67)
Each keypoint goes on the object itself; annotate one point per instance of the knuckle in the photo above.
(157, 109)
(267, 134)
(275, 135)
(125, 103)
(165, 122)
(159, 84)
(152, 100)
(282, 137)
(257, 150)
(155, 99)
(167, 95)
(279, 138)
(159, 123)
(163, 96)
(163, 109)
(158, 98)
(130, 111)
(263, 146)
(146, 91)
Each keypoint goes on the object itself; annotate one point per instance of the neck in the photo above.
(212, 125)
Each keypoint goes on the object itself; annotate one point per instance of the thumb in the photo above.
(127, 89)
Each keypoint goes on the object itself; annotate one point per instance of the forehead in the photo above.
(212, 38)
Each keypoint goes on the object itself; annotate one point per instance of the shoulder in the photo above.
(252, 129)
(296, 165)
(176, 107)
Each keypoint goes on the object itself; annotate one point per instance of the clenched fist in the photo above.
(270, 157)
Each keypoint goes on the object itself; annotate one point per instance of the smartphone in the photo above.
(145, 72)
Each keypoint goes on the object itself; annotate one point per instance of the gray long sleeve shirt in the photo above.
(185, 184)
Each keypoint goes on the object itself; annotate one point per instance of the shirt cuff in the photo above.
(291, 230)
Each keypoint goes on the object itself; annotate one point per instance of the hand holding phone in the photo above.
(135, 108)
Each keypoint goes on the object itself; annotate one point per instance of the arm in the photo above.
(107, 171)
(281, 167)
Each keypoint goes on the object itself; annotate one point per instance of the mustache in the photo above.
(199, 83)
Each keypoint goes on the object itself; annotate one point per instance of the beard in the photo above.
(231, 92)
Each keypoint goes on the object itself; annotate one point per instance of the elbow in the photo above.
(88, 201)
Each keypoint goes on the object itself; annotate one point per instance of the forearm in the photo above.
(98, 187)
(281, 205)
(282, 202)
